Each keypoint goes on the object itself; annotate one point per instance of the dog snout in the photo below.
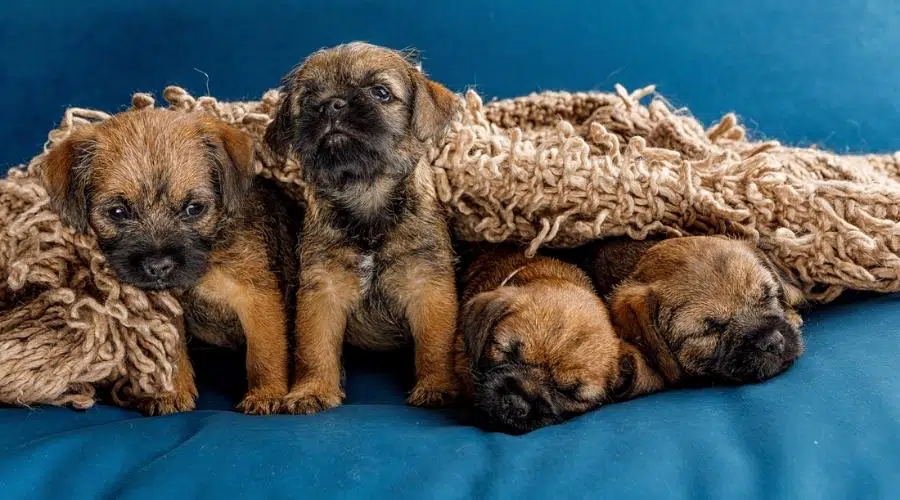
(333, 107)
(773, 342)
(158, 267)
(514, 408)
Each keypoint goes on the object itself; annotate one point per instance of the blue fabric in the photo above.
(821, 71)
(828, 428)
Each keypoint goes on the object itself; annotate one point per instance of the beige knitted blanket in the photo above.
(547, 169)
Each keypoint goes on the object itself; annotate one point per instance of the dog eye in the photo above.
(194, 209)
(569, 390)
(381, 93)
(118, 213)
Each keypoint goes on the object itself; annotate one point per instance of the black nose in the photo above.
(514, 408)
(158, 266)
(334, 107)
(773, 343)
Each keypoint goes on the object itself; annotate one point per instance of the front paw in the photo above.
(432, 395)
(166, 404)
(794, 318)
(306, 399)
(261, 402)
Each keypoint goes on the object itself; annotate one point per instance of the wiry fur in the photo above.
(535, 345)
(702, 308)
(376, 264)
(132, 178)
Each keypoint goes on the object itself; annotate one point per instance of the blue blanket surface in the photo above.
(806, 71)
(828, 428)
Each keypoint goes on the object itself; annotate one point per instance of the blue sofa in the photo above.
(805, 71)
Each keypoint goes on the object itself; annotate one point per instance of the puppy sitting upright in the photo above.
(700, 308)
(535, 344)
(376, 265)
(174, 204)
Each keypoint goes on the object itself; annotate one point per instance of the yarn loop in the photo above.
(548, 169)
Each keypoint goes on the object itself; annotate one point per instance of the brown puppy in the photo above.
(535, 344)
(376, 265)
(174, 204)
(700, 308)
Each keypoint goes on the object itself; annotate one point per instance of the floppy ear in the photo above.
(434, 107)
(232, 155)
(789, 295)
(67, 174)
(479, 317)
(634, 308)
(280, 130)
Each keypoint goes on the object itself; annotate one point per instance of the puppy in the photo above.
(376, 265)
(535, 345)
(174, 204)
(702, 309)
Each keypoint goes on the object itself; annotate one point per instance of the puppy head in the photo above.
(356, 112)
(156, 186)
(709, 308)
(538, 354)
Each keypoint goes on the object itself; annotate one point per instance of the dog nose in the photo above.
(514, 408)
(334, 106)
(773, 343)
(159, 266)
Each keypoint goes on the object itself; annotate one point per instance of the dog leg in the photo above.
(263, 319)
(323, 302)
(431, 310)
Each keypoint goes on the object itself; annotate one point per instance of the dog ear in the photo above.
(479, 317)
(789, 295)
(278, 133)
(67, 174)
(635, 311)
(232, 154)
(434, 107)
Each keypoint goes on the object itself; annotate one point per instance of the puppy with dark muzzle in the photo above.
(376, 265)
(702, 309)
(535, 345)
(174, 204)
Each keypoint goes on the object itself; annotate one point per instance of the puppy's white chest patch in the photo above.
(366, 272)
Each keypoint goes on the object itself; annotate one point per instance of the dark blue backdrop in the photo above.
(802, 71)
(822, 71)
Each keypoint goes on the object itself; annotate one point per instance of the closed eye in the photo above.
(569, 390)
(715, 324)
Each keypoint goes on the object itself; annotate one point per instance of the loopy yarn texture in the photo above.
(548, 169)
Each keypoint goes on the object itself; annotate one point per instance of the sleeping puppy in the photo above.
(535, 345)
(376, 264)
(702, 309)
(174, 204)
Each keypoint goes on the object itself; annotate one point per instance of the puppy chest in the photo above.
(376, 322)
(365, 272)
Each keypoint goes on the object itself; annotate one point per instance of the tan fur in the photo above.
(681, 288)
(169, 157)
(561, 326)
(336, 301)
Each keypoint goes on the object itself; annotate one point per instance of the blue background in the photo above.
(802, 71)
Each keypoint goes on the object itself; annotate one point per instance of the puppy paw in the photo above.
(794, 318)
(431, 395)
(166, 404)
(309, 399)
(260, 402)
